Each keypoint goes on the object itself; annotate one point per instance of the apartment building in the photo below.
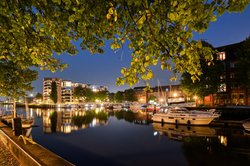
(47, 82)
(231, 91)
(65, 89)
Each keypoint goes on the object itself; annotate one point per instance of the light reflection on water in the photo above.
(106, 137)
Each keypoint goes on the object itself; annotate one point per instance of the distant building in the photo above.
(160, 94)
(230, 91)
(47, 82)
(65, 89)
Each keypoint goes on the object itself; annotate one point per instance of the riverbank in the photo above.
(26, 152)
(6, 157)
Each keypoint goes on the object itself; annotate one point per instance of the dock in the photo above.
(227, 123)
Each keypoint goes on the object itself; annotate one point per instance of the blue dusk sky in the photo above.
(103, 69)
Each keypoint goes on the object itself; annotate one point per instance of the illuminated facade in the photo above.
(65, 89)
(160, 94)
(230, 90)
(47, 82)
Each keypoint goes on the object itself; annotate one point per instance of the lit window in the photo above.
(221, 56)
(222, 88)
(222, 77)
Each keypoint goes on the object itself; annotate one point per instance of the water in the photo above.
(102, 137)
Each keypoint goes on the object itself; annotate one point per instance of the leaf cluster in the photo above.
(15, 81)
(208, 81)
(32, 31)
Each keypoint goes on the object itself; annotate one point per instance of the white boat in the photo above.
(179, 115)
(136, 106)
(246, 124)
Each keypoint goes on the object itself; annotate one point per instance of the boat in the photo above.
(246, 124)
(181, 115)
(27, 123)
(137, 106)
(153, 107)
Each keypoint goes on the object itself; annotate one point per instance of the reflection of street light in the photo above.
(161, 100)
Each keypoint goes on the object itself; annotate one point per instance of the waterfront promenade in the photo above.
(15, 152)
(6, 158)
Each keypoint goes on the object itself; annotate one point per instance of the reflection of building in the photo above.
(65, 120)
(230, 91)
(161, 94)
(65, 89)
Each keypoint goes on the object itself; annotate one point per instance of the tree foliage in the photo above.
(119, 96)
(157, 31)
(129, 95)
(101, 95)
(15, 81)
(53, 94)
(88, 94)
(78, 92)
(39, 96)
(111, 97)
(208, 82)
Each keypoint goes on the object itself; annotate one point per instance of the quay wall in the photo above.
(29, 154)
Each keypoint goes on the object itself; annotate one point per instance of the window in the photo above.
(221, 56)
(222, 88)
(222, 77)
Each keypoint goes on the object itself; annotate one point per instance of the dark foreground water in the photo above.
(102, 137)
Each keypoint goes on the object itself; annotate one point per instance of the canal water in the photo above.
(126, 138)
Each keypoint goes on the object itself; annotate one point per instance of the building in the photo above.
(231, 91)
(65, 89)
(47, 82)
(160, 94)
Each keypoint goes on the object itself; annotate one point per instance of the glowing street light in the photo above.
(175, 94)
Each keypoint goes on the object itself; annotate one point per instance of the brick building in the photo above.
(231, 91)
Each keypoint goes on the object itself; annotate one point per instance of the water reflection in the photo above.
(127, 139)
(66, 121)
(209, 146)
(138, 117)
(182, 132)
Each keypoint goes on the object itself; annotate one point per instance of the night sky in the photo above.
(103, 69)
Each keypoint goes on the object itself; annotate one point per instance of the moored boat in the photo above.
(179, 115)
(246, 124)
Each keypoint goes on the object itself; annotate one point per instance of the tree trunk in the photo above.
(26, 108)
(14, 108)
